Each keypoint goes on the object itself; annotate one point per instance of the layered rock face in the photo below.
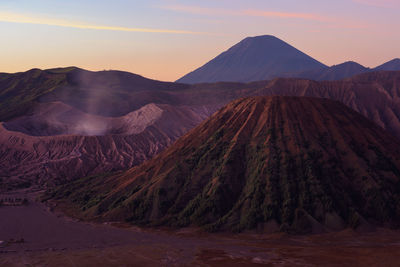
(44, 152)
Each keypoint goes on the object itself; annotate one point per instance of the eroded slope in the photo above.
(271, 163)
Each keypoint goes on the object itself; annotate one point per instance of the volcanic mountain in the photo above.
(62, 124)
(267, 57)
(293, 164)
(253, 59)
(43, 153)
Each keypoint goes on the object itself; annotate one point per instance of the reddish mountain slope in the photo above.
(374, 95)
(271, 163)
(131, 139)
(77, 102)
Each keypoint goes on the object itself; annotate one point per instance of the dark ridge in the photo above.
(393, 65)
(334, 73)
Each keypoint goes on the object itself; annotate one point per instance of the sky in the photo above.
(165, 39)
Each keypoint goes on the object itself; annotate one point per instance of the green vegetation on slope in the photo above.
(299, 163)
(19, 92)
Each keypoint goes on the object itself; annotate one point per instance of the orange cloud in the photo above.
(26, 19)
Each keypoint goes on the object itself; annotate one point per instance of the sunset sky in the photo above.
(165, 39)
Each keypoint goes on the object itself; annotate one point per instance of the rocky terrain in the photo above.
(375, 95)
(39, 152)
(62, 124)
(269, 163)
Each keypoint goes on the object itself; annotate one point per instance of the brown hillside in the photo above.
(49, 105)
(271, 163)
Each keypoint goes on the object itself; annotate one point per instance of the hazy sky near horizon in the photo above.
(165, 39)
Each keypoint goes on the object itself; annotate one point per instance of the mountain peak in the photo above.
(350, 63)
(348, 68)
(392, 65)
(336, 72)
(262, 38)
(253, 59)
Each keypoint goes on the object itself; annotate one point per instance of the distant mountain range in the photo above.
(292, 164)
(337, 72)
(267, 57)
(393, 65)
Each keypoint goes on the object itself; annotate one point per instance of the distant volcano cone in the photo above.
(293, 164)
(254, 59)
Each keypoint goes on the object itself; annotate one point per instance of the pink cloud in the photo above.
(306, 16)
(326, 21)
(251, 13)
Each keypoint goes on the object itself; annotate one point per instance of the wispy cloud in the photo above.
(326, 21)
(249, 12)
(28, 19)
(290, 15)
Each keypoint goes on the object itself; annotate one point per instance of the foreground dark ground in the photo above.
(51, 239)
